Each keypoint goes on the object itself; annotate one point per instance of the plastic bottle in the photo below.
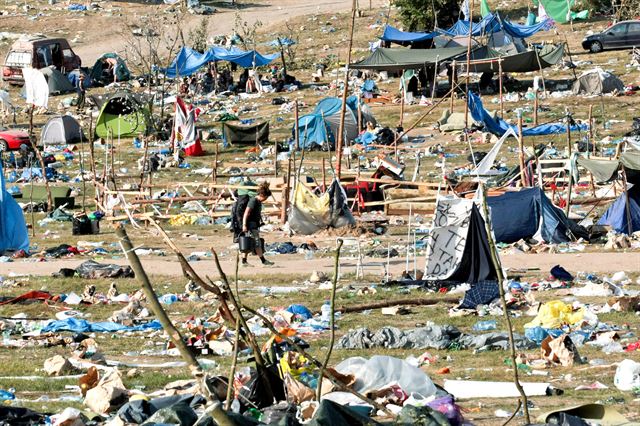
(235, 406)
(485, 325)
(326, 311)
(168, 299)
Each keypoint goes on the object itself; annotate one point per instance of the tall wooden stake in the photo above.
(567, 208)
(521, 154)
(500, 87)
(343, 107)
(466, 103)
(535, 108)
(297, 125)
(285, 195)
(626, 204)
(498, 267)
(593, 143)
(332, 330)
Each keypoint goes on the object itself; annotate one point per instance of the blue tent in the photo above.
(13, 229)
(321, 126)
(498, 126)
(526, 213)
(616, 215)
(394, 35)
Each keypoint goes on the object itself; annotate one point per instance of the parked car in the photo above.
(10, 140)
(623, 35)
(38, 52)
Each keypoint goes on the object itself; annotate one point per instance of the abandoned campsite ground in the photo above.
(321, 29)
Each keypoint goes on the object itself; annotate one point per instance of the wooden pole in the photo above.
(152, 299)
(453, 85)
(500, 87)
(593, 143)
(343, 107)
(324, 175)
(498, 267)
(285, 195)
(214, 173)
(626, 204)
(466, 103)
(360, 127)
(521, 153)
(297, 125)
(275, 158)
(332, 329)
(402, 98)
(567, 208)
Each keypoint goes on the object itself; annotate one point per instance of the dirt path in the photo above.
(604, 263)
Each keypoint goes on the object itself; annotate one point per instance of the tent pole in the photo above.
(626, 204)
(567, 208)
(500, 84)
(296, 126)
(453, 85)
(466, 104)
(214, 172)
(591, 130)
(403, 89)
(285, 196)
(343, 107)
(96, 194)
(435, 78)
(498, 267)
(521, 154)
(275, 158)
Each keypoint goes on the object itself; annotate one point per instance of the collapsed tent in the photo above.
(528, 213)
(623, 216)
(310, 213)
(498, 127)
(491, 60)
(597, 82)
(13, 229)
(245, 134)
(63, 129)
(322, 125)
(457, 247)
(184, 134)
(394, 35)
(402, 59)
(99, 71)
(122, 114)
(57, 82)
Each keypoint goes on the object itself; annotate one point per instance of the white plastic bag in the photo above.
(627, 375)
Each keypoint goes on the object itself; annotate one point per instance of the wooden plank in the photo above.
(399, 182)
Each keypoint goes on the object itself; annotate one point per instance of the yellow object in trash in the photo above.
(555, 314)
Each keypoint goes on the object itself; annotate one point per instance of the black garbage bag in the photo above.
(330, 413)
(92, 270)
(420, 416)
(138, 411)
(258, 392)
(20, 416)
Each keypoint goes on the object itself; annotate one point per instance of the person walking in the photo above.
(252, 221)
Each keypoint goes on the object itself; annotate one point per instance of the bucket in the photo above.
(246, 243)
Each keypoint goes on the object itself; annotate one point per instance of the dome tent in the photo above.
(124, 114)
(597, 82)
(63, 129)
(58, 83)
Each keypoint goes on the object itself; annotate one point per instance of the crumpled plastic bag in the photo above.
(627, 375)
(555, 314)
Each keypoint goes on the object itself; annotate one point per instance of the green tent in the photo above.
(560, 10)
(124, 114)
(528, 61)
(484, 8)
(403, 59)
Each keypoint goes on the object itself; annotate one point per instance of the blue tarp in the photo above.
(520, 214)
(83, 326)
(394, 35)
(492, 23)
(616, 214)
(189, 61)
(498, 126)
(524, 31)
(13, 229)
(281, 41)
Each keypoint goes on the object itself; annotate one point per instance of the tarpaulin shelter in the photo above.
(63, 129)
(607, 170)
(186, 63)
(404, 38)
(497, 126)
(488, 59)
(122, 73)
(184, 134)
(13, 229)
(322, 125)
(618, 217)
(245, 134)
(597, 82)
(402, 59)
(245, 59)
(457, 247)
(492, 23)
(123, 114)
(310, 213)
(528, 213)
(57, 82)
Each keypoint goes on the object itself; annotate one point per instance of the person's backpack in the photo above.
(237, 212)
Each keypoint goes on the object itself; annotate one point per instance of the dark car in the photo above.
(11, 140)
(622, 35)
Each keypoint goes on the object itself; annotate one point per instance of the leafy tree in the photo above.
(420, 15)
(198, 35)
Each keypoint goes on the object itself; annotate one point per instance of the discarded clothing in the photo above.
(83, 326)
(93, 270)
(29, 296)
(481, 293)
(494, 341)
(428, 337)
